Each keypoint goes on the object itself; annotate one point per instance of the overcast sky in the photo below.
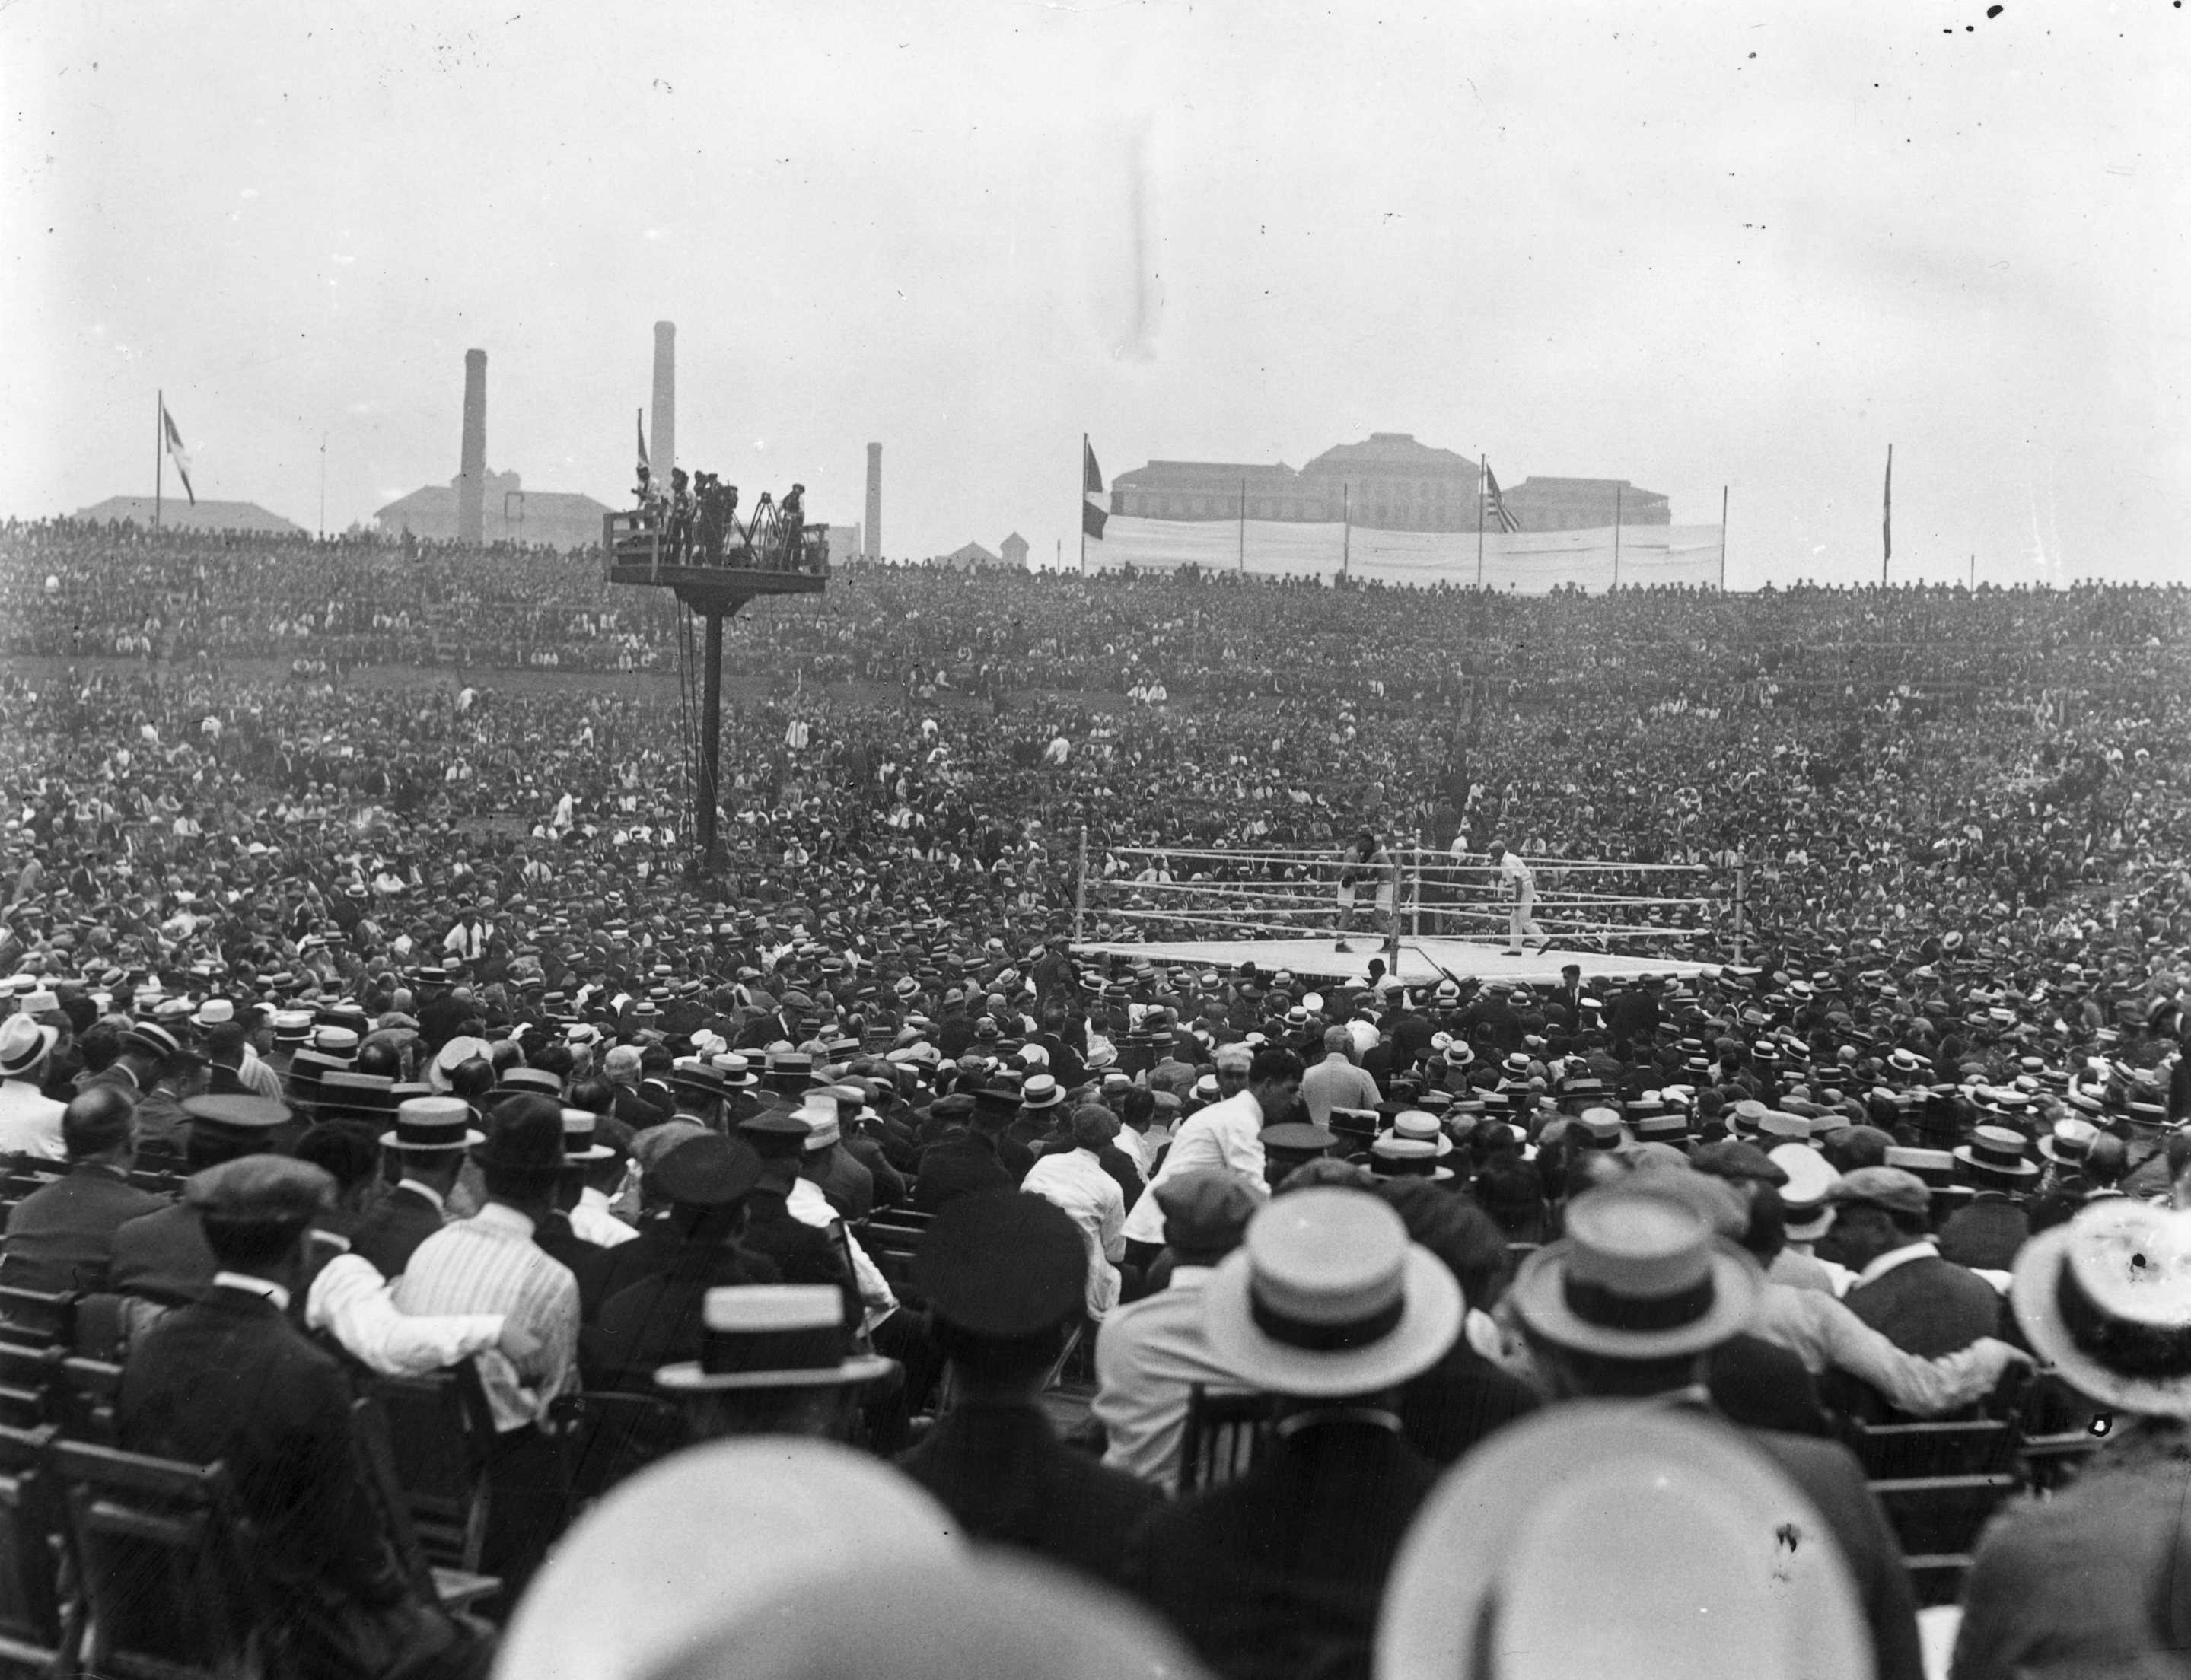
(1688, 244)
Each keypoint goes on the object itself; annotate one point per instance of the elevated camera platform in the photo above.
(715, 577)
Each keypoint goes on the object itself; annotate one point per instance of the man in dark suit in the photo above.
(61, 1237)
(231, 1378)
(1280, 1572)
(1004, 1275)
(654, 1320)
(963, 1161)
(432, 1136)
(1632, 1303)
(1903, 1289)
(164, 1256)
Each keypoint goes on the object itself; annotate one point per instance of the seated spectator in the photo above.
(1327, 1306)
(230, 1379)
(2091, 1580)
(1006, 1276)
(61, 1237)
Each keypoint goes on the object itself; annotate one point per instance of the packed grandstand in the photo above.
(385, 836)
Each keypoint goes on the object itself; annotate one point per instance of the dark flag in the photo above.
(1093, 513)
(1494, 504)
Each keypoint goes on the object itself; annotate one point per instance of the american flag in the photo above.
(1494, 505)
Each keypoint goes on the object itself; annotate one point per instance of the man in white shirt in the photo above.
(30, 1121)
(1073, 1180)
(1336, 1082)
(1153, 1352)
(1227, 1135)
(1518, 881)
(490, 1264)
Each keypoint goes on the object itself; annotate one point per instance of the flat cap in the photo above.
(1206, 1212)
(268, 1189)
(240, 1113)
(1886, 1187)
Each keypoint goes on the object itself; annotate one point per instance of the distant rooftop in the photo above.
(177, 513)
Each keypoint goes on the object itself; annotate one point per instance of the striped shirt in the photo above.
(488, 1263)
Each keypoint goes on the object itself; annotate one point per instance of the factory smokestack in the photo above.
(663, 455)
(874, 532)
(471, 482)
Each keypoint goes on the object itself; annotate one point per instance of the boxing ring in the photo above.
(1442, 915)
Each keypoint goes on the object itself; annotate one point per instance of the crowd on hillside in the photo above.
(361, 1033)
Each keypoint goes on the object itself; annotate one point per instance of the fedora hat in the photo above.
(432, 1123)
(1805, 1199)
(1637, 1276)
(2106, 1299)
(1327, 1296)
(461, 1048)
(24, 1044)
(772, 1336)
(1484, 1583)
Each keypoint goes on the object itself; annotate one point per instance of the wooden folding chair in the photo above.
(1889, 1451)
(438, 1431)
(31, 1317)
(162, 1553)
(39, 1633)
(82, 1400)
(607, 1435)
(452, 1589)
(1939, 1519)
(2052, 1463)
(1224, 1434)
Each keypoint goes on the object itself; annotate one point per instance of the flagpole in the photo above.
(1082, 494)
(1616, 536)
(1346, 525)
(159, 452)
(1243, 525)
(1722, 539)
(1482, 466)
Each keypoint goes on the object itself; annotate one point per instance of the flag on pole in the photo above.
(1887, 512)
(1093, 513)
(1494, 505)
(640, 422)
(176, 452)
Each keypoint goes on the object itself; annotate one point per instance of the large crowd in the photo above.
(406, 1010)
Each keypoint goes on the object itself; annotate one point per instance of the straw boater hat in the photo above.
(658, 1566)
(1484, 1583)
(1327, 1296)
(433, 1123)
(772, 1336)
(1804, 1199)
(2106, 1299)
(1996, 1153)
(1637, 1276)
(581, 1146)
(2072, 1140)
